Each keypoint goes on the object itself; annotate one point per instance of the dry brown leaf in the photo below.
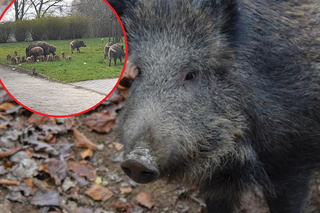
(37, 119)
(144, 200)
(101, 122)
(126, 190)
(6, 106)
(122, 207)
(118, 146)
(98, 192)
(82, 141)
(10, 152)
(86, 154)
(58, 170)
(46, 198)
(9, 182)
(29, 182)
(83, 170)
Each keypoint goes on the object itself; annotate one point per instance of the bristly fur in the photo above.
(251, 115)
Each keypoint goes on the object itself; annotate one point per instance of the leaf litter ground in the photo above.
(72, 165)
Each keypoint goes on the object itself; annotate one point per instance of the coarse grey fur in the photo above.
(36, 51)
(47, 48)
(9, 57)
(13, 60)
(49, 58)
(23, 58)
(116, 51)
(227, 97)
(107, 47)
(56, 58)
(76, 45)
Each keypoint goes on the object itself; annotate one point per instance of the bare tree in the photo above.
(105, 22)
(21, 8)
(39, 8)
(44, 7)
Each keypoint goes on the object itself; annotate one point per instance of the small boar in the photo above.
(15, 53)
(36, 51)
(76, 44)
(29, 60)
(52, 50)
(18, 59)
(40, 58)
(56, 58)
(33, 71)
(47, 48)
(33, 59)
(62, 54)
(49, 58)
(23, 59)
(106, 48)
(115, 51)
(9, 57)
(68, 58)
(227, 98)
(13, 60)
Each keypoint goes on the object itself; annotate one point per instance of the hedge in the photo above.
(5, 30)
(47, 28)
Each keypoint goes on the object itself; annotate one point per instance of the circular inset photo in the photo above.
(60, 58)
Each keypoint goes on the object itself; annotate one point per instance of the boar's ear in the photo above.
(228, 12)
(121, 5)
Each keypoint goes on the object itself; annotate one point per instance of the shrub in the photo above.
(5, 30)
(37, 29)
(20, 29)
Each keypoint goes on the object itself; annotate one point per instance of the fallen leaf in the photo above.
(39, 146)
(122, 207)
(144, 200)
(84, 210)
(4, 97)
(101, 122)
(26, 168)
(68, 184)
(46, 198)
(58, 169)
(83, 170)
(6, 106)
(82, 141)
(98, 180)
(16, 196)
(9, 182)
(98, 192)
(10, 152)
(27, 191)
(38, 120)
(118, 146)
(126, 190)
(86, 154)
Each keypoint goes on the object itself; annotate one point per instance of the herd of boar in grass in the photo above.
(40, 51)
(37, 51)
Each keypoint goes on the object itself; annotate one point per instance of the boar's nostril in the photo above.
(140, 172)
(127, 171)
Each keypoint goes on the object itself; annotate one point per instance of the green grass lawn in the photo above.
(96, 66)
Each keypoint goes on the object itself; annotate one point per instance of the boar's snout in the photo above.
(140, 172)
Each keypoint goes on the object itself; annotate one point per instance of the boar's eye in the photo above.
(139, 70)
(189, 77)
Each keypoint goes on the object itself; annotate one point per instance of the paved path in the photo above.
(102, 86)
(49, 97)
